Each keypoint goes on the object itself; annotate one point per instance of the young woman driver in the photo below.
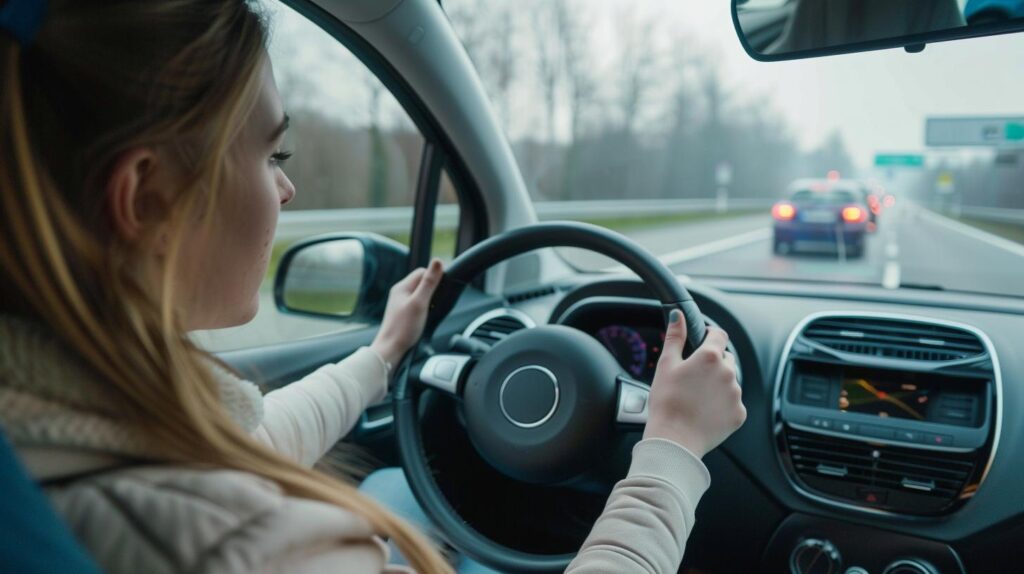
(140, 185)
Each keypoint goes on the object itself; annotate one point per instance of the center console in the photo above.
(885, 413)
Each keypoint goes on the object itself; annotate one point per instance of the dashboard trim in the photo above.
(778, 424)
(873, 440)
(496, 313)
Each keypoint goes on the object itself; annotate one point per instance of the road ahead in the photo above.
(912, 247)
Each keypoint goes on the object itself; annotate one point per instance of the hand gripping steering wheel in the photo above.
(540, 403)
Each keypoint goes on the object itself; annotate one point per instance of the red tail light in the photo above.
(853, 214)
(874, 204)
(783, 211)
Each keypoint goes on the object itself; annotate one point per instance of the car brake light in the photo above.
(783, 211)
(853, 214)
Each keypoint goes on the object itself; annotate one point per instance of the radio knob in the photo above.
(910, 566)
(815, 556)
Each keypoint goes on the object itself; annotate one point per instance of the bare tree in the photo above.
(503, 61)
(638, 66)
(571, 25)
(549, 63)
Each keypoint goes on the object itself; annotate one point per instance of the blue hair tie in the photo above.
(22, 19)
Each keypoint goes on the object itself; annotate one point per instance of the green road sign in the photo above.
(1014, 132)
(974, 131)
(899, 160)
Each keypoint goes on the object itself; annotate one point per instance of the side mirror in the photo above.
(340, 275)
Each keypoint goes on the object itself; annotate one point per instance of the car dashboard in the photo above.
(883, 427)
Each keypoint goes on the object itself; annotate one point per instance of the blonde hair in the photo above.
(99, 79)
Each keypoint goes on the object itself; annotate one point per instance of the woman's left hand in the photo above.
(406, 312)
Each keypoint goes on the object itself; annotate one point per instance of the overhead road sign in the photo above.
(899, 160)
(968, 131)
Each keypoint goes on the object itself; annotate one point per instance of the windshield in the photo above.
(648, 117)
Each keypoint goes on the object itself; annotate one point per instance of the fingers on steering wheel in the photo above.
(675, 337)
(430, 278)
(729, 357)
(411, 281)
(715, 342)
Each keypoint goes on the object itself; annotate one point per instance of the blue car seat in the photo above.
(34, 539)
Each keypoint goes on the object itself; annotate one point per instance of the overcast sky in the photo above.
(878, 100)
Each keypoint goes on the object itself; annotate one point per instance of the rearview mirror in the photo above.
(340, 275)
(773, 30)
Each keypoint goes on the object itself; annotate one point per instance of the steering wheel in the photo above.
(539, 404)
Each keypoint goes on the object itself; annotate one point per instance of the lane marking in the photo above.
(705, 249)
(891, 275)
(974, 232)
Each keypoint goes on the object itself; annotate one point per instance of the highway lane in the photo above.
(912, 247)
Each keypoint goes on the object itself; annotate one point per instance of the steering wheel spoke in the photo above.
(446, 372)
(632, 404)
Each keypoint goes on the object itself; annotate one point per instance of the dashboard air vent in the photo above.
(531, 294)
(883, 476)
(496, 325)
(894, 338)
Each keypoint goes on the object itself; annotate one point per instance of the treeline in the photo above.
(612, 100)
(598, 104)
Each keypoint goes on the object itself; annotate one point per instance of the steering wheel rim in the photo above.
(460, 273)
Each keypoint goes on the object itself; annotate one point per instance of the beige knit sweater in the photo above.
(136, 517)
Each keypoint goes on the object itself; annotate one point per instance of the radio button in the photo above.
(937, 439)
(877, 432)
(872, 495)
(822, 423)
(845, 426)
(908, 435)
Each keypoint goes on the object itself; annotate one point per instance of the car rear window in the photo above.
(834, 196)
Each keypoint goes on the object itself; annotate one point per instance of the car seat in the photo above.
(34, 540)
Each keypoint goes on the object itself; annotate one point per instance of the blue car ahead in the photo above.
(820, 214)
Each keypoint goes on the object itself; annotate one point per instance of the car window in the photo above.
(835, 196)
(647, 117)
(356, 159)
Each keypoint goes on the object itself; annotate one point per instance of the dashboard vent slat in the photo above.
(863, 465)
(497, 328)
(894, 339)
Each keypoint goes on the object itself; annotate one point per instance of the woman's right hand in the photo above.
(695, 402)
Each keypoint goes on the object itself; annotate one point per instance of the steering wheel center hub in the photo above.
(538, 405)
(529, 396)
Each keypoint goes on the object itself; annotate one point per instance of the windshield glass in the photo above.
(649, 118)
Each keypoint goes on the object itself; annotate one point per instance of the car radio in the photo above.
(912, 409)
(879, 412)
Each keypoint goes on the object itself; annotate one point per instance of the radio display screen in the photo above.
(884, 397)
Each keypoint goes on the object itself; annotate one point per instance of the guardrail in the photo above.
(997, 214)
(298, 224)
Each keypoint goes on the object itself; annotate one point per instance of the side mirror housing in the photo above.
(340, 275)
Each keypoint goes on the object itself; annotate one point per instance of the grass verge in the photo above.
(444, 239)
(1011, 231)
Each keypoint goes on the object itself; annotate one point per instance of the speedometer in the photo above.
(627, 345)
